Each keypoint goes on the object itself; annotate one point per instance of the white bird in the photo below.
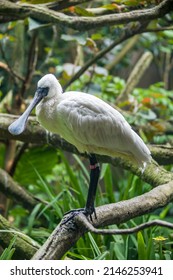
(87, 122)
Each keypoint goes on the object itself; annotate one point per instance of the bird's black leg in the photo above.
(89, 207)
(94, 176)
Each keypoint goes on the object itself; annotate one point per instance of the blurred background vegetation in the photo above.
(28, 50)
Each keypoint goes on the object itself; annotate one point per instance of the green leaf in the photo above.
(96, 36)
(78, 185)
(111, 6)
(107, 175)
(165, 49)
(49, 192)
(32, 218)
(82, 166)
(2, 155)
(82, 12)
(119, 251)
(147, 114)
(81, 39)
(102, 256)
(8, 252)
(76, 256)
(130, 2)
(34, 24)
(142, 252)
(168, 34)
(95, 248)
(36, 1)
(42, 159)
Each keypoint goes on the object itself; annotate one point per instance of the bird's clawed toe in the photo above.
(68, 216)
(89, 212)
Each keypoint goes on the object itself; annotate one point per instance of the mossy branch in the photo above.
(15, 11)
(36, 134)
(24, 246)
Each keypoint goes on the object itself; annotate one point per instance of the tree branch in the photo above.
(84, 222)
(135, 76)
(41, 13)
(34, 133)
(25, 247)
(159, 29)
(66, 235)
(32, 61)
(12, 190)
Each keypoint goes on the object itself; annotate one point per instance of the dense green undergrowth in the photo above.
(64, 187)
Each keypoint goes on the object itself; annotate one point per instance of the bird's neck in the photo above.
(59, 89)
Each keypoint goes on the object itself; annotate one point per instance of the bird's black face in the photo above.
(19, 125)
(42, 91)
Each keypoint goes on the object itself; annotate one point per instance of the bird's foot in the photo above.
(89, 211)
(74, 212)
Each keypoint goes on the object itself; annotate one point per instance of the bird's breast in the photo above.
(47, 115)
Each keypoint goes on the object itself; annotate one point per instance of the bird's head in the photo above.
(47, 87)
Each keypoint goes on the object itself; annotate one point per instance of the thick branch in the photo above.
(66, 235)
(34, 133)
(13, 11)
(162, 154)
(25, 247)
(12, 190)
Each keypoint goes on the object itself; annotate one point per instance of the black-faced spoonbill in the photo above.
(88, 123)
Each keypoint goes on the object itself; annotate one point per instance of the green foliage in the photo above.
(8, 252)
(64, 193)
(36, 1)
(41, 160)
(142, 254)
(158, 99)
(80, 38)
(60, 180)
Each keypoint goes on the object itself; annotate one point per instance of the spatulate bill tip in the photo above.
(16, 128)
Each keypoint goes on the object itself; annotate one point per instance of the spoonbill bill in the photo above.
(87, 122)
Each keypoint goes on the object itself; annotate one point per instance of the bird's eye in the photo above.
(43, 91)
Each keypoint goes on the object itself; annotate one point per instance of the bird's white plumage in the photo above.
(89, 123)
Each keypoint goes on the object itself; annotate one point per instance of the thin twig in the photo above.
(83, 221)
(17, 158)
(159, 29)
(32, 61)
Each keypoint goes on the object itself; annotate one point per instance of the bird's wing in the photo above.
(91, 121)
